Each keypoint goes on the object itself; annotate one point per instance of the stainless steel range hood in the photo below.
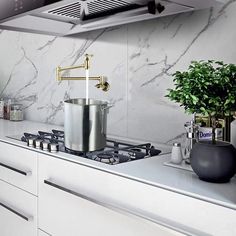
(69, 17)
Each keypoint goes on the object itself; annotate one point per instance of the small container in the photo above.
(176, 154)
(7, 107)
(16, 112)
(1, 109)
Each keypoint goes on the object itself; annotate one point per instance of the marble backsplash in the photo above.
(138, 60)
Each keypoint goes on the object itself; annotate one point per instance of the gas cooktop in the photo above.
(115, 152)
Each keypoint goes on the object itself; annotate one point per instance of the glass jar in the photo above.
(1, 108)
(192, 130)
(16, 112)
(7, 109)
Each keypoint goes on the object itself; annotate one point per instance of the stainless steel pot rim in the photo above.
(82, 102)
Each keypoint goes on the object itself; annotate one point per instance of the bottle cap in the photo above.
(176, 144)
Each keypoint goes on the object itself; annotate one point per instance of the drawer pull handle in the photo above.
(135, 214)
(27, 218)
(16, 170)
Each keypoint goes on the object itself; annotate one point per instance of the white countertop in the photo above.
(149, 171)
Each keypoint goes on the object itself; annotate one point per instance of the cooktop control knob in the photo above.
(37, 143)
(44, 146)
(30, 142)
(53, 147)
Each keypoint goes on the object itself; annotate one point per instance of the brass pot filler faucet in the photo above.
(103, 84)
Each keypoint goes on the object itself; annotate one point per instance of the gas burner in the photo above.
(67, 150)
(115, 152)
(136, 153)
(105, 158)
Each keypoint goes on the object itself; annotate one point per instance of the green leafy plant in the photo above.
(206, 88)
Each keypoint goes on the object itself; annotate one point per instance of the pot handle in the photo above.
(108, 106)
(103, 109)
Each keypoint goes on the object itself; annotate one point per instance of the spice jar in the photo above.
(7, 109)
(1, 108)
(176, 154)
(16, 112)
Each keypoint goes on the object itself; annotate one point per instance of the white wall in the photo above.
(138, 60)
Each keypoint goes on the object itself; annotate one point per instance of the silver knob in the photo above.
(30, 142)
(53, 147)
(37, 143)
(45, 146)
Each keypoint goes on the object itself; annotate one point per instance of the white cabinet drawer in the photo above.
(63, 212)
(18, 166)
(18, 212)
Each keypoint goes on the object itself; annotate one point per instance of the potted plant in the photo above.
(209, 88)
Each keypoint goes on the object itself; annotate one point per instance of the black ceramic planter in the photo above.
(214, 162)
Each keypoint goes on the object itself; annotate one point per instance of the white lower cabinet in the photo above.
(75, 200)
(18, 212)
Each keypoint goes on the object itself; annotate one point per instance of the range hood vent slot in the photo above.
(102, 8)
(92, 9)
(99, 6)
(71, 11)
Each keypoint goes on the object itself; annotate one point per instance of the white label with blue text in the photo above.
(205, 133)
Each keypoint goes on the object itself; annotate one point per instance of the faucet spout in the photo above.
(87, 61)
(103, 84)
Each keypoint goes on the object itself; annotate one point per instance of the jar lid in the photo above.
(16, 106)
(176, 144)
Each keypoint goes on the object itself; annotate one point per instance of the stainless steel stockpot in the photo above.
(85, 124)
